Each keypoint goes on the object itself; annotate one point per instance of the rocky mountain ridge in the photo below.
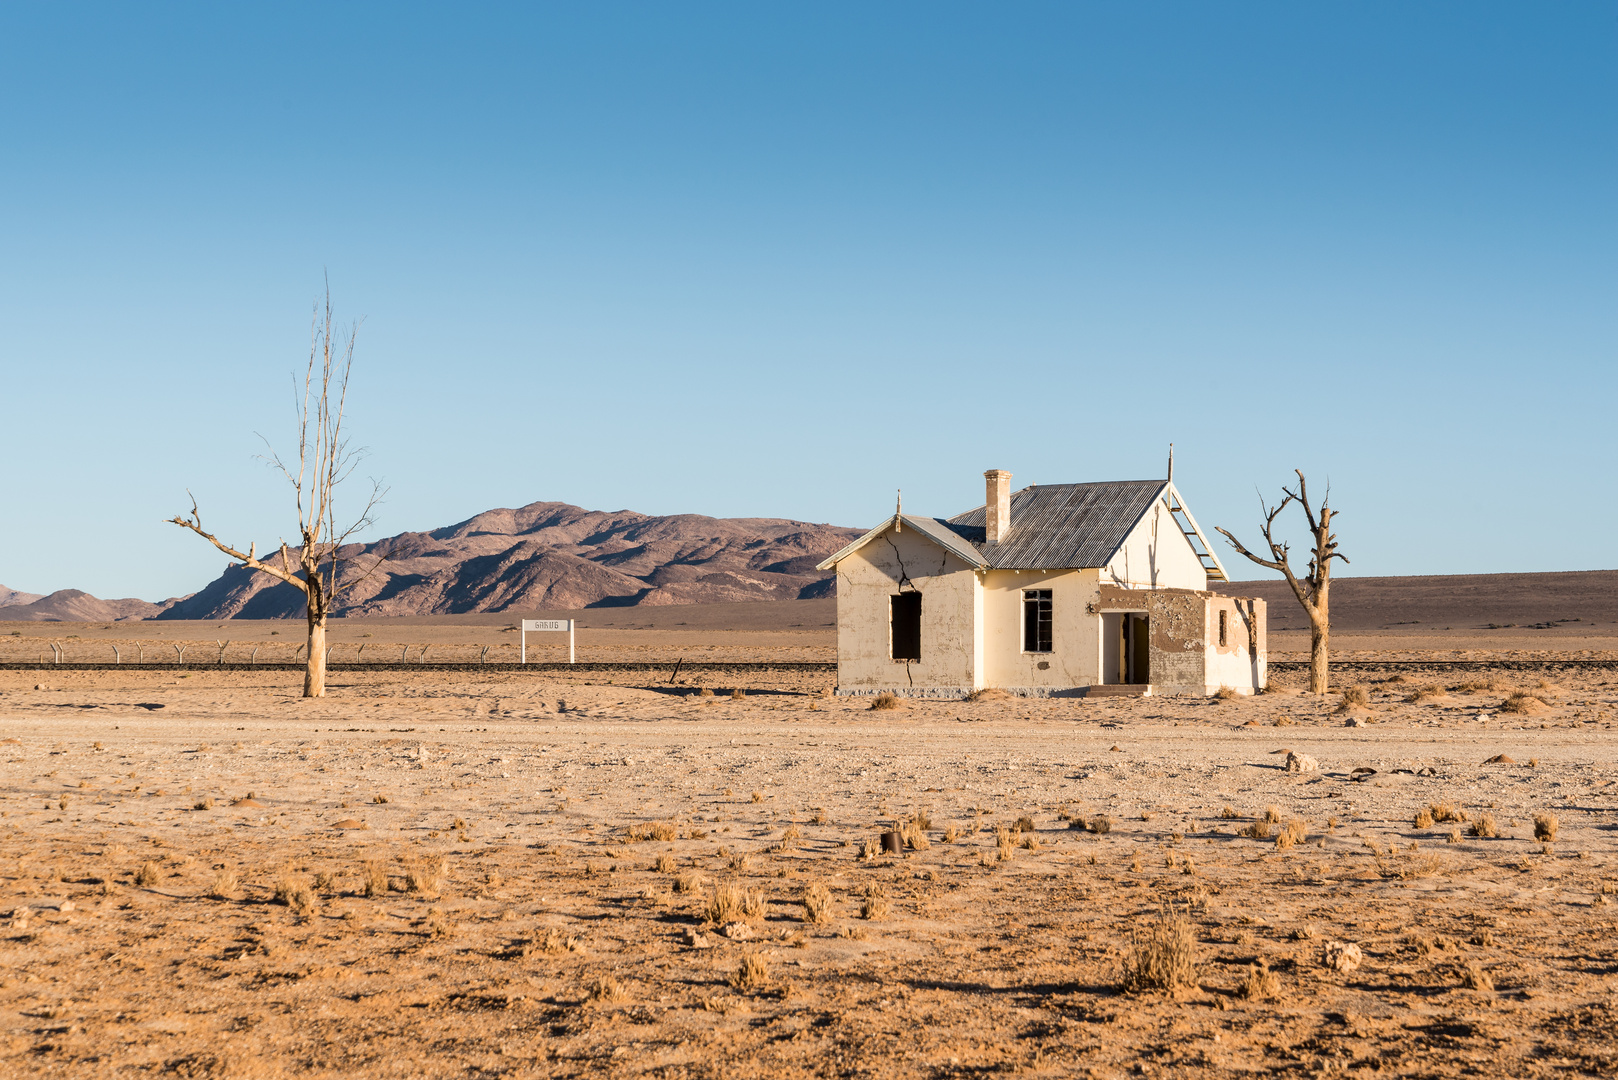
(551, 556)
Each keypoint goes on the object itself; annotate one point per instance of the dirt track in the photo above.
(979, 965)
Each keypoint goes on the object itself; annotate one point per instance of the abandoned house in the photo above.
(1069, 589)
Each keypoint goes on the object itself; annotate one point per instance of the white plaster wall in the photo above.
(1156, 553)
(1075, 632)
(1233, 665)
(949, 588)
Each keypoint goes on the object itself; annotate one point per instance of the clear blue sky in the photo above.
(778, 260)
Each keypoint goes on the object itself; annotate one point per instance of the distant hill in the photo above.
(72, 605)
(11, 597)
(553, 556)
(1575, 598)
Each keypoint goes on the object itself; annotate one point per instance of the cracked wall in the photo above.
(904, 561)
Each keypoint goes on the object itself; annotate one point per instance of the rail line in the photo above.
(816, 666)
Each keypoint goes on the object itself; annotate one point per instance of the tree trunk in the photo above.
(314, 675)
(1319, 635)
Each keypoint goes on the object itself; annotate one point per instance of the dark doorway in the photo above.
(1137, 649)
(905, 629)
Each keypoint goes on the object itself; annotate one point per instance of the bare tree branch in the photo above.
(1313, 589)
(325, 461)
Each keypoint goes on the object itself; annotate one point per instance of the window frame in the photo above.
(894, 603)
(1036, 619)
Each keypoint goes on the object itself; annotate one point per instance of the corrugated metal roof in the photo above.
(1062, 526)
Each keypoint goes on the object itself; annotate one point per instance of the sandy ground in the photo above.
(526, 919)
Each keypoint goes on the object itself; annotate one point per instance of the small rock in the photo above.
(1426, 770)
(1340, 956)
(65, 906)
(1301, 763)
(1354, 721)
(1501, 759)
(1118, 748)
(696, 939)
(738, 931)
(350, 823)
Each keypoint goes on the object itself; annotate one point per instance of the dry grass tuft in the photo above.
(1443, 811)
(817, 904)
(913, 836)
(1163, 957)
(1101, 824)
(665, 864)
(223, 886)
(1260, 983)
(1354, 697)
(688, 883)
(147, 875)
(373, 878)
(1424, 819)
(1023, 824)
(203, 804)
(1293, 832)
(1453, 836)
(738, 694)
(1228, 814)
(752, 974)
(426, 876)
(1485, 827)
(1225, 693)
(758, 796)
(1475, 978)
(1545, 826)
(732, 901)
(1272, 815)
(608, 990)
(295, 893)
(1258, 830)
(663, 831)
(378, 798)
(1426, 694)
(953, 833)
(1031, 842)
(1523, 704)
(875, 908)
(885, 700)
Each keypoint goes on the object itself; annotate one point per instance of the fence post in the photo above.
(179, 656)
(117, 658)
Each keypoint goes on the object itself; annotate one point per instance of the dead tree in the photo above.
(325, 460)
(1314, 589)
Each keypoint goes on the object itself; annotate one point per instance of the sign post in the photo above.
(547, 624)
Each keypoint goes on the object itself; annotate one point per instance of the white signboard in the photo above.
(537, 625)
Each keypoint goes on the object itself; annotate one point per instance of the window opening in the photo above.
(1036, 620)
(1224, 627)
(905, 626)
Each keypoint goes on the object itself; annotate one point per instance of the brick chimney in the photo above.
(997, 512)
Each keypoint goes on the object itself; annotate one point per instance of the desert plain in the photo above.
(549, 874)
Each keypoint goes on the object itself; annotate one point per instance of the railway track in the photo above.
(824, 667)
